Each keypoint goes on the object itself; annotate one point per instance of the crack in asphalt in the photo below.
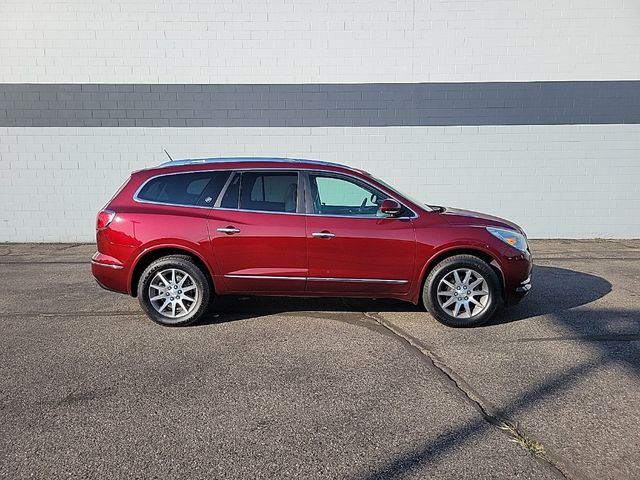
(374, 321)
(472, 397)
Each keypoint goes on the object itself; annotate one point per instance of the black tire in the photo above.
(447, 267)
(200, 280)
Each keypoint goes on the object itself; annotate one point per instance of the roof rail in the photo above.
(197, 161)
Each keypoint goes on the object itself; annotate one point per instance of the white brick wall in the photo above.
(311, 41)
(556, 181)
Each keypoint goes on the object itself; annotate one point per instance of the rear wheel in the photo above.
(174, 291)
(462, 291)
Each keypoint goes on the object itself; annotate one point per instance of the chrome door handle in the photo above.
(228, 230)
(323, 234)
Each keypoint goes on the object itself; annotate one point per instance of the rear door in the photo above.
(353, 249)
(257, 231)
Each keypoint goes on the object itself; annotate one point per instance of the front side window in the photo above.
(185, 189)
(262, 192)
(334, 195)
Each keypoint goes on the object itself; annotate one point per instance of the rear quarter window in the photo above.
(188, 189)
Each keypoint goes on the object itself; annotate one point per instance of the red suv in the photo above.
(179, 234)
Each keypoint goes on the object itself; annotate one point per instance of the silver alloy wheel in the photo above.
(463, 293)
(173, 293)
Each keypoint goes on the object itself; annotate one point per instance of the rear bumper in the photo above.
(109, 273)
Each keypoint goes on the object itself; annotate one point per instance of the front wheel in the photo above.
(462, 291)
(174, 291)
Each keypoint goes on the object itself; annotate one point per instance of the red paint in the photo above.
(280, 245)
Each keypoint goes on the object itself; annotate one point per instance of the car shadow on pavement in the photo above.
(554, 290)
(232, 308)
(562, 296)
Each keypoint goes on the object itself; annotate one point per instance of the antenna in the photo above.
(165, 151)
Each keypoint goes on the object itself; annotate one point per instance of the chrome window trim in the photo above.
(309, 214)
(362, 216)
(255, 211)
(235, 171)
(137, 199)
(171, 204)
(294, 169)
(318, 279)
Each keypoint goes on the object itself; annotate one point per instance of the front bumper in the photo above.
(520, 292)
(524, 286)
(517, 277)
(515, 292)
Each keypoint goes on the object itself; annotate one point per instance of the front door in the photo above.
(353, 249)
(257, 234)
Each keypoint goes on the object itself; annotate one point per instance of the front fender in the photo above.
(458, 247)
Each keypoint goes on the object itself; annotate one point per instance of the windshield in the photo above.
(402, 194)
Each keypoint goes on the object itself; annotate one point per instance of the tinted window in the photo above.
(269, 191)
(198, 188)
(231, 194)
(341, 196)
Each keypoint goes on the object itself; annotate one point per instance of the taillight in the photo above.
(104, 218)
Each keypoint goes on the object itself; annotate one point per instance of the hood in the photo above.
(456, 216)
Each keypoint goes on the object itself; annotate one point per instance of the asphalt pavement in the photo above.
(321, 388)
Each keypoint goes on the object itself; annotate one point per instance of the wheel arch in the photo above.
(152, 254)
(481, 253)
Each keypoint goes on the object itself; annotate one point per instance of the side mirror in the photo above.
(390, 208)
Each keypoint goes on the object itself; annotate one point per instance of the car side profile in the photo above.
(177, 235)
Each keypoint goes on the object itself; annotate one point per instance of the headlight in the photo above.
(510, 237)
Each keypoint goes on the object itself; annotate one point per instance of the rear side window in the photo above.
(262, 192)
(230, 197)
(269, 191)
(188, 189)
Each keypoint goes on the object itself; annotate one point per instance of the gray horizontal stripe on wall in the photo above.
(319, 105)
